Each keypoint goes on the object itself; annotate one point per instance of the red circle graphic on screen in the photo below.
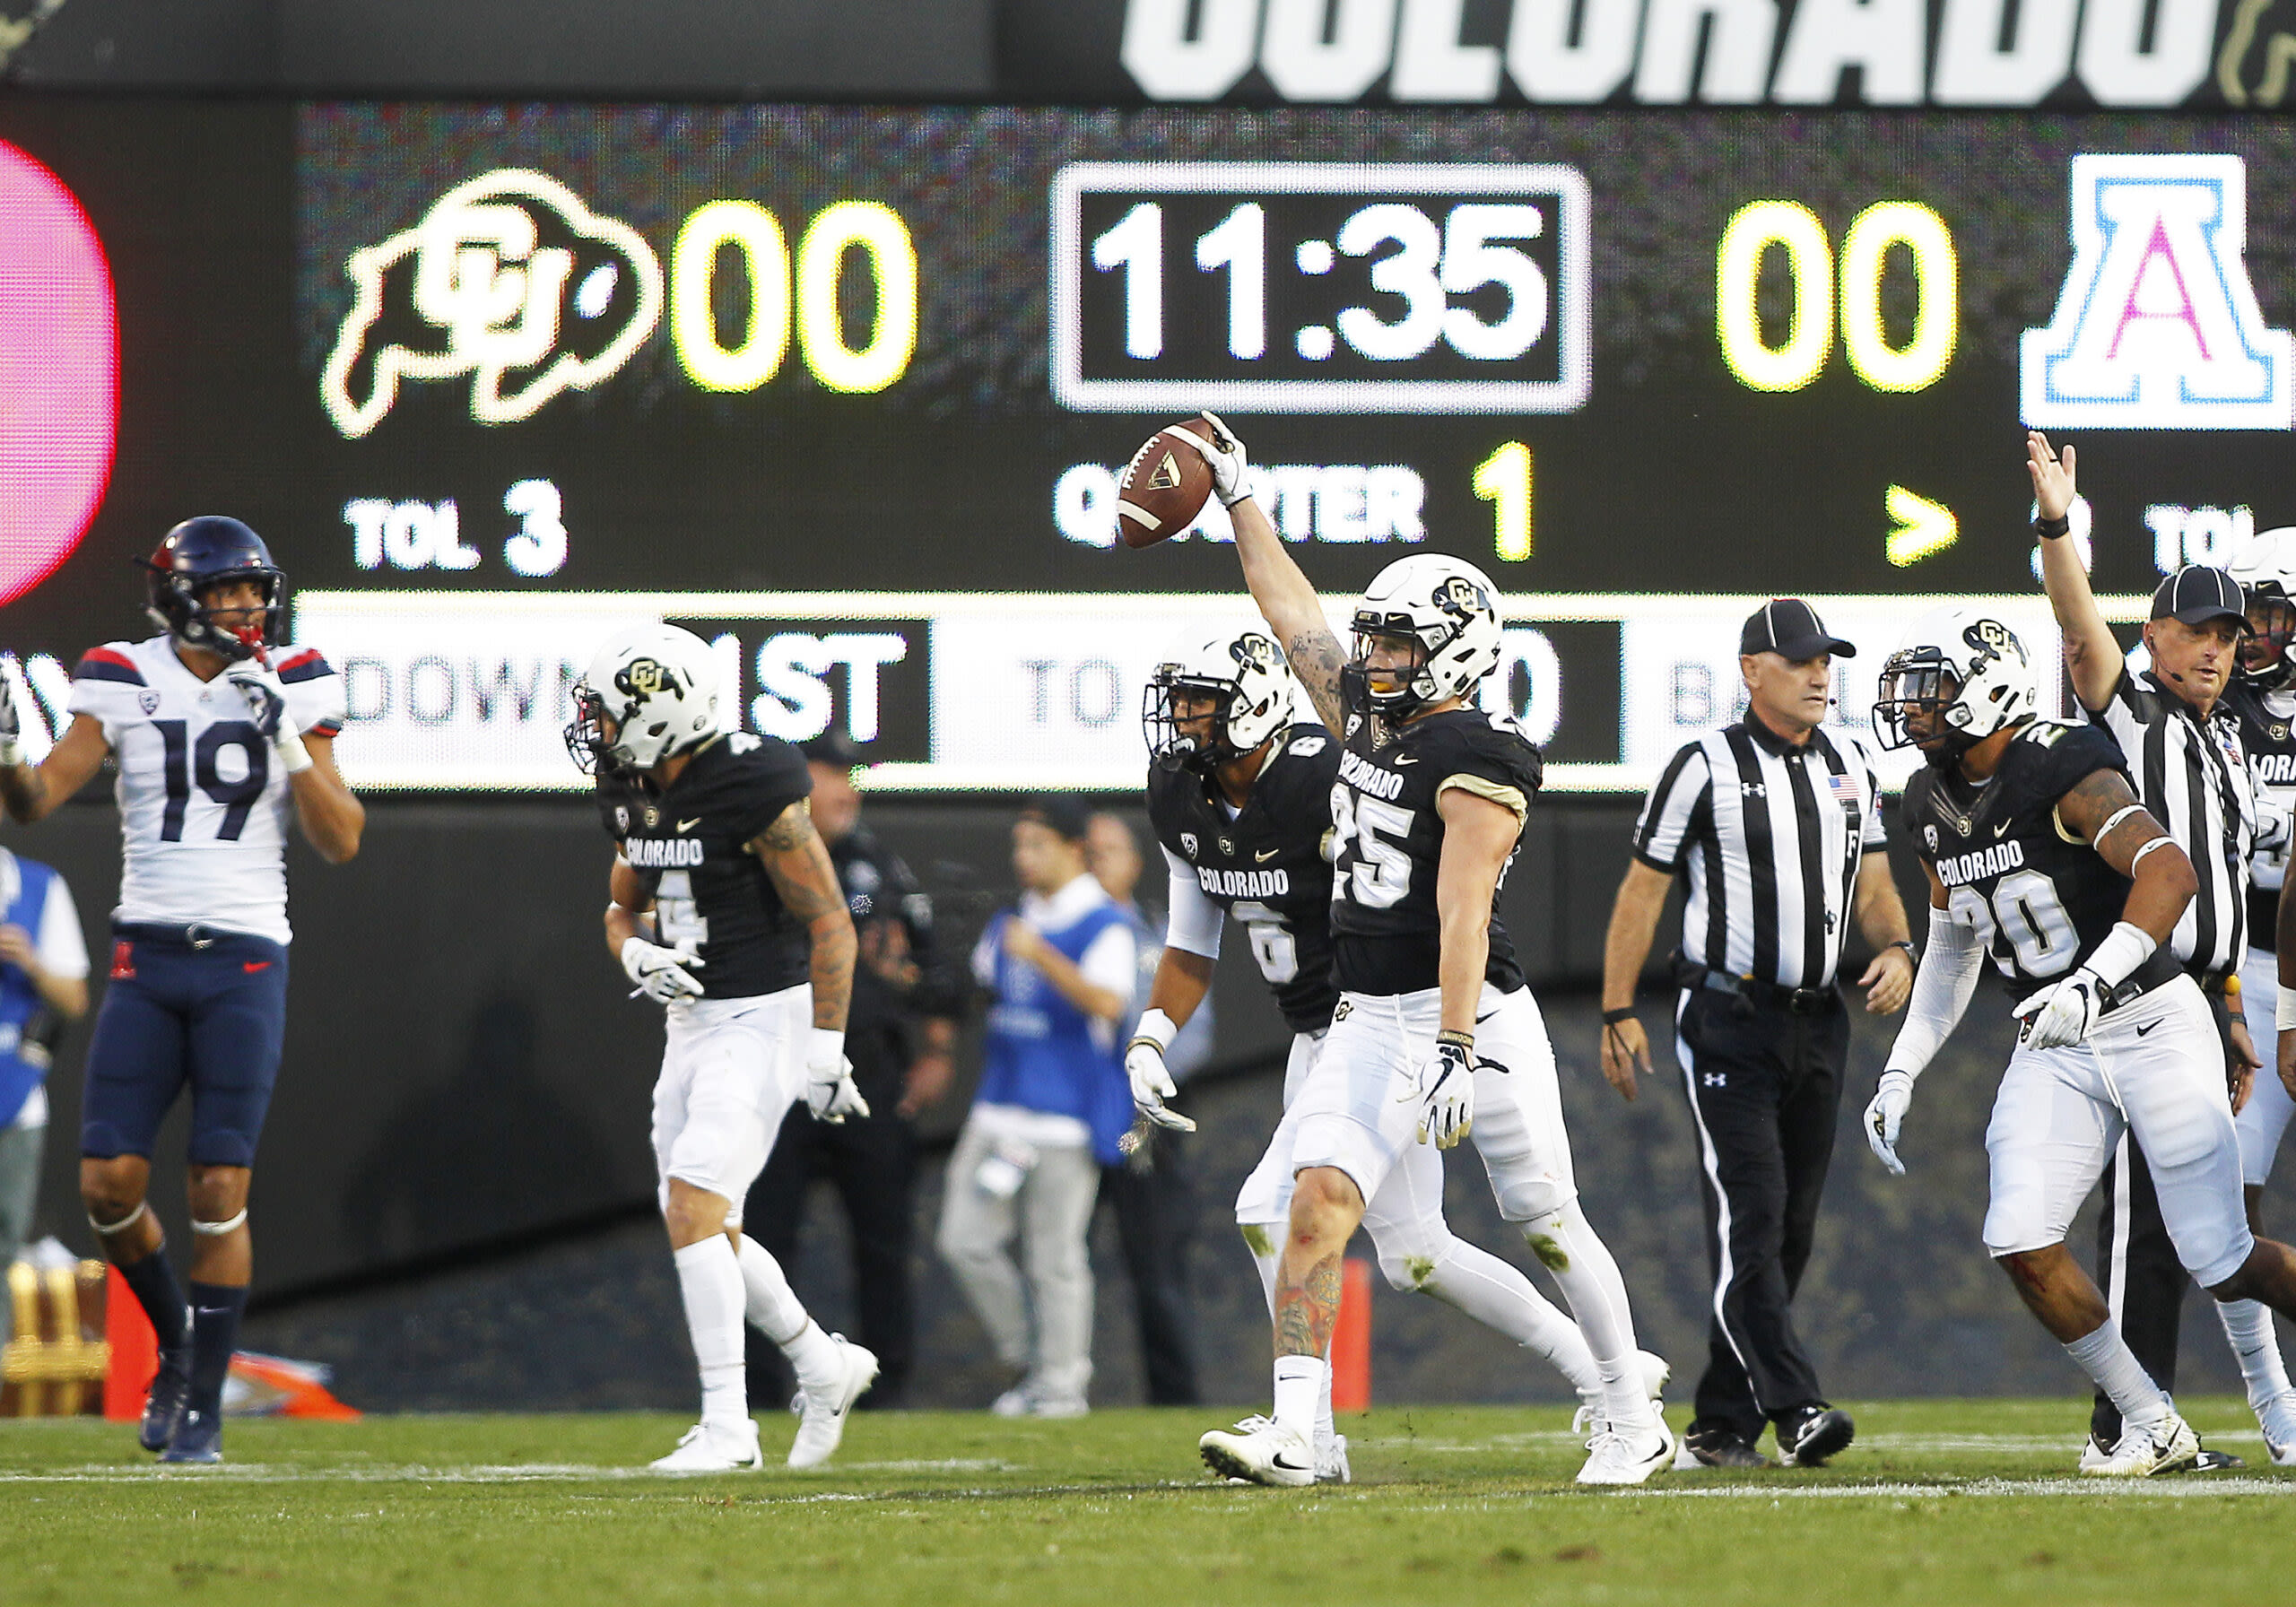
(60, 372)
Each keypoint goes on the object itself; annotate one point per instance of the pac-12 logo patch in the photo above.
(1188, 844)
(2157, 326)
(508, 279)
(148, 700)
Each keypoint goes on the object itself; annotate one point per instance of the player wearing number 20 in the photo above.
(725, 908)
(2038, 850)
(1435, 1033)
(217, 739)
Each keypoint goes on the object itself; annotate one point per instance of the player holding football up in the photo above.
(1435, 1031)
(2039, 852)
(217, 740)
(723, 906)
(1239, 796)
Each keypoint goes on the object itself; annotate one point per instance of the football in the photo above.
(1163, 488)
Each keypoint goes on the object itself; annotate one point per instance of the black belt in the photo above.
(194, 935)
(1754, 990)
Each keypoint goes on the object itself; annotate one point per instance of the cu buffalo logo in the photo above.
(1459, 594)
(1991, 636)
(643, 677)
(508, 280)
(1252, 651)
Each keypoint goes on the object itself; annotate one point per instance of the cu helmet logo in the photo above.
(508, 279)
(1459, 593)
(1991, 636)
(643, 677)
(1253, 651)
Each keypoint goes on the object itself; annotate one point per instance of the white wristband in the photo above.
(826, 1052)
(2283, 1009)
(2125, 947)
(1157, 1028)
(292, 754)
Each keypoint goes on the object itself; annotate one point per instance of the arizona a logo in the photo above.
(2157, 326)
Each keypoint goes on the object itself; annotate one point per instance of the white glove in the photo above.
(267, 702)
(1445, 1089)
(664, 976)
(2061, 1013)
(829, 1093)
(1151, 1082)
(1884, 1114)
(1230, 474)
(11, 727)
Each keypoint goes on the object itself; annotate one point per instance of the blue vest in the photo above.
(19, 1000)
(1039, 1052)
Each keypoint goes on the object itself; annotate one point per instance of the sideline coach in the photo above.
(1778, 825)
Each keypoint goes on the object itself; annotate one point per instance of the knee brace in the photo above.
(217, 1230)
(106, 1230)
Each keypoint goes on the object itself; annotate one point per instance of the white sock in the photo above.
(2106, 1357)
(2248, 1324)
(1270, 1234)
(1300, 1381)
(1589, 1278)
(773, 1309)
(1497, 1295)
(710, 1279)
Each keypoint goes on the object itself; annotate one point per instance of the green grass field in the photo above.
(1939, 1501)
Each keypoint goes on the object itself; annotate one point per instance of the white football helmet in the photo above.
(1964, 666)
(1446, 604)
(2265, 568)
(1244, 672)
(657, 685)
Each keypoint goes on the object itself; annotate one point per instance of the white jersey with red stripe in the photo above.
(203, 800)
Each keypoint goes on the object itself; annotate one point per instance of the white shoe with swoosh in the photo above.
(1259, 1450)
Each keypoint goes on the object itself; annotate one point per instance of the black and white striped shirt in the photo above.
(2194, 776)
(1773, 836)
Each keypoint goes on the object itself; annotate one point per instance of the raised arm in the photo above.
(2092, 655)
(798, 860)
(1286, 599)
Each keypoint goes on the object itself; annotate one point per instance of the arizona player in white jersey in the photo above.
(1436, 1032)
(725, 907)
(218, 739)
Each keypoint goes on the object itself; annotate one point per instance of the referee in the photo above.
(2183, 745)
(1778, 826)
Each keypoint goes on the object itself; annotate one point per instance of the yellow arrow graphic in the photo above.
(1923, 527)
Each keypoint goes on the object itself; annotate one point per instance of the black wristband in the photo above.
(2050, 529)
(1612, 1018)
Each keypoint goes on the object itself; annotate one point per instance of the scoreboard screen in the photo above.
(845, 390)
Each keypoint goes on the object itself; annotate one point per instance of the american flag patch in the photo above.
(1844, 791)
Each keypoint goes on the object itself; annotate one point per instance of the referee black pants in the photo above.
(1765, 1088)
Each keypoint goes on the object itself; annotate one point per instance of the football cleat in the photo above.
(1588, 1419)
(2168, 1446)
(1628, 1455)
(1813, 1434)
(1716, 1446)
(706, 1450)
(2277, 1418)
(1259, 1450)
(1331, 1461)
(822, 1413)
(164, 1403)
(198, 1438)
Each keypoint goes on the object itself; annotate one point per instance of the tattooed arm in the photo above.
(2163, 880)
(798, 860)
(1292, 610)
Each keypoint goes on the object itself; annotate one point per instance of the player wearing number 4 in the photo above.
(1239, 796)
(217, 741)
(725, 908)
(1435, 1033)
(2038, 850)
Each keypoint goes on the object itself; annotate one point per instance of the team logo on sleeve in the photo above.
(1188, 844)
(148, 700)
(2157, 326)
(508, 279)
(1929, 836)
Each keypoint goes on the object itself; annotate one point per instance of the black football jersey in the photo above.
(2268, 737)
(689, 845)
(1266, 867)
(2041, 898)
(1388, 842)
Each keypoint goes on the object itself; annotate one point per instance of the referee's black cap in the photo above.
(1791, 629)
(1067, 815)
(832, 748)
(2198, 594)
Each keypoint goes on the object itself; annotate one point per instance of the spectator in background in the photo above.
(898, 1037)
(1149, 1190)
(43, 988)
(1052, 1105)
